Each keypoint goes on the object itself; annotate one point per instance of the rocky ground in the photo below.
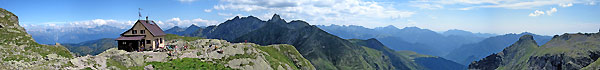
(235, 55)
(18, 51)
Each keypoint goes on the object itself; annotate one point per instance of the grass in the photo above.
(173, 37)
(377, 57)
(284, 56)
(19, 37)
(573, 47)
(16, 58)
(87, 68)
(412, 55)
(187, 64)
(276, 56)
(45, 50)
(593, 66)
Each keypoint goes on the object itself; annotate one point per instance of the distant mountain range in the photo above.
(74, 34)
(324, 50)
(464, 33)
(192, 30)
(565, 52)
(428, 61)
(471, 52)
(92, 47)
(409, 38)
(459, 45)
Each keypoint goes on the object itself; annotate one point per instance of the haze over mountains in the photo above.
(324, 50)
(415, 39)
(564, 52)
(468, 53)
(447, 44)
(73, 34)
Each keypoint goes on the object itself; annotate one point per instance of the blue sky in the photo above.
(547, 17)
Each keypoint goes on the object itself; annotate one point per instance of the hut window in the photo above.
(161, 41)
(134, 32)
(147, 41)
(141, 31)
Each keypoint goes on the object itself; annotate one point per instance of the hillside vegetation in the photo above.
(564, 52)
(19, 51)
(472, 52)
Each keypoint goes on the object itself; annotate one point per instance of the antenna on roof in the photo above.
(140, 13)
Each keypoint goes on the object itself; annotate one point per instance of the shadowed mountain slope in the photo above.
(564, 52)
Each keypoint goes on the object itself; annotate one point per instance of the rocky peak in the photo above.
(389, 27)
(236, 17)
(524, 42)
(193, 25)
(276, 19)
(526, 37)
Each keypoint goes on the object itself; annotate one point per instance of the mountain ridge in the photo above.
(468, 53)
(324, 50)
(416, 39)
(567, 51)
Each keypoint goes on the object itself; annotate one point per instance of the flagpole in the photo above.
(139, 13)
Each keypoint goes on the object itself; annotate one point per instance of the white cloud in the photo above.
(428, 6)
(548, 12)
(565, 5)
(508, 4)
(115, 23)
(318, 11)
(207, 10)
(185, 23)
(536, 13)
(78, 24)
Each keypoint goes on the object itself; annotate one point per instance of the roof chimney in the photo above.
(147, 19)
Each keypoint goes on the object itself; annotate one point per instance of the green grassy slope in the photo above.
(18, 46)
(567, 51)
(325, 51)
(281, 55)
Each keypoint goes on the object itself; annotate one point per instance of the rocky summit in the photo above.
(18, 51)
(564, 52)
